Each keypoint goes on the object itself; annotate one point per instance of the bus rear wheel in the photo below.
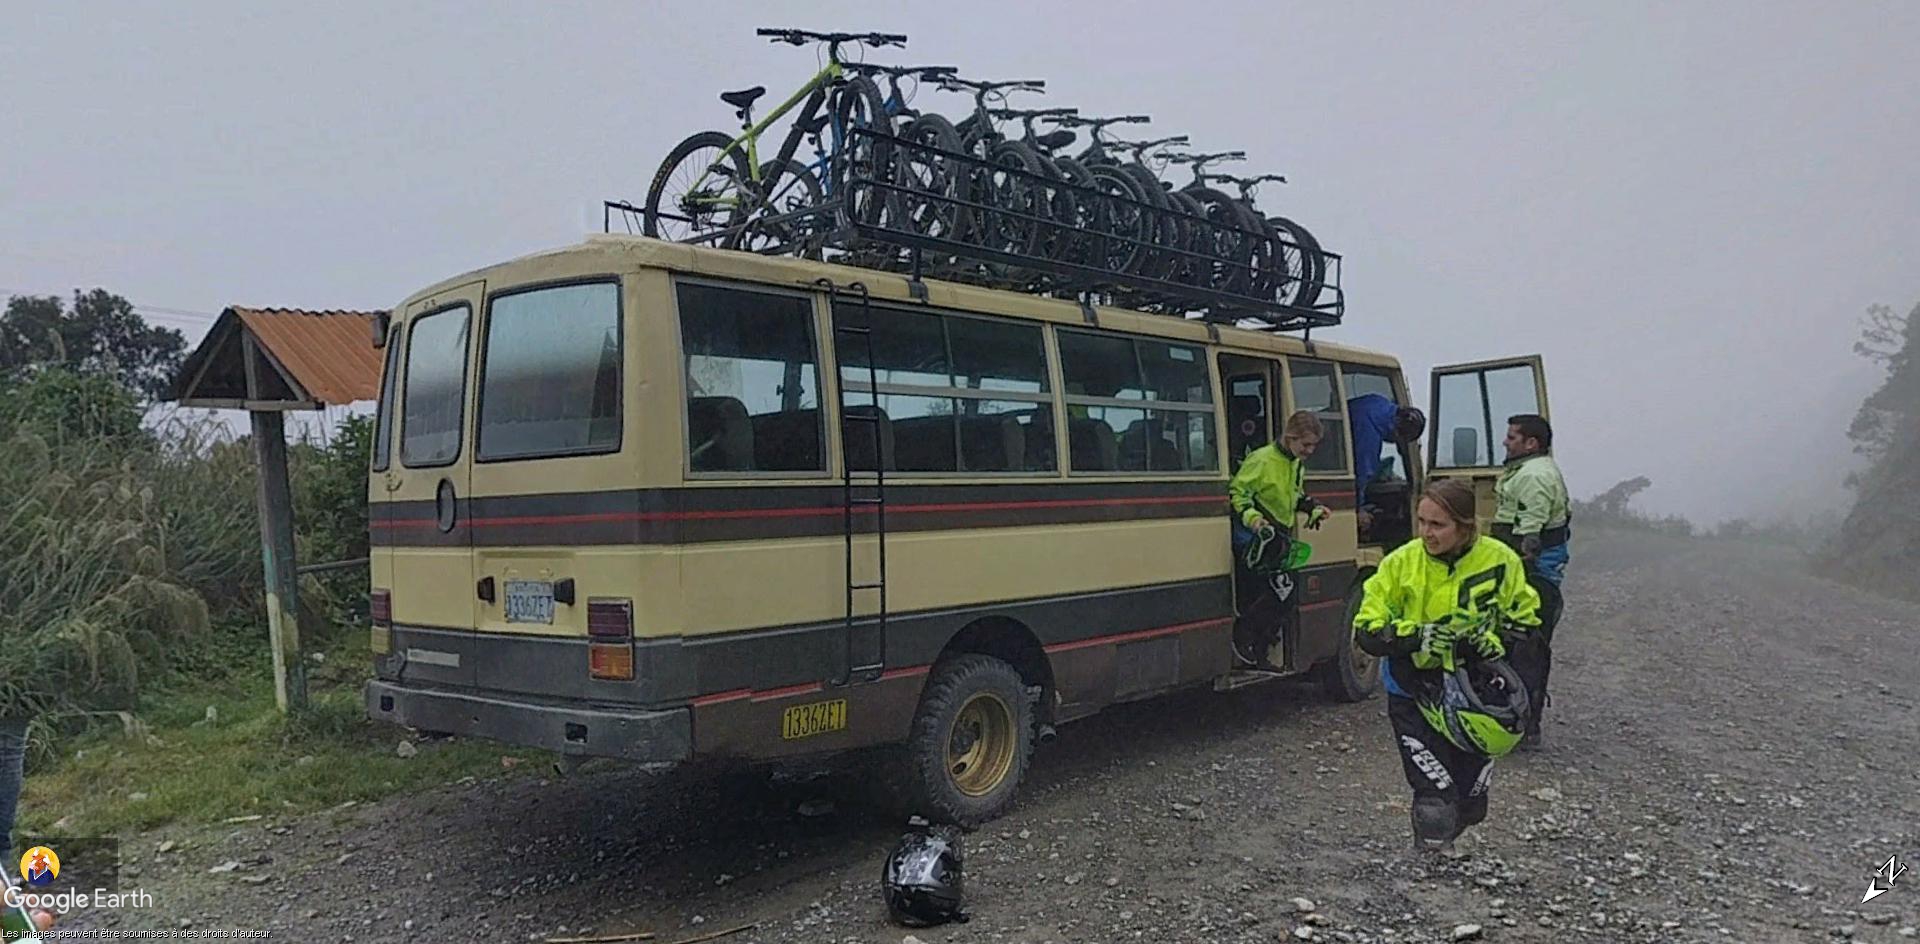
(970, 742)
(1351, 674)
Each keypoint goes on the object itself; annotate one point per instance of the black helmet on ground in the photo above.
(922, 880)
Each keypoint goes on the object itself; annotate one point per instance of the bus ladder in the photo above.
(872, 482)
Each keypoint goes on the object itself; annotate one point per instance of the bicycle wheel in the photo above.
(1223, 241)
(1019, 199)
(1075, 208)
(699, 190)
(931, 199)
(1189, 255)
(781, 224)
(857, 105)
(1312, 265)
(1124, 220)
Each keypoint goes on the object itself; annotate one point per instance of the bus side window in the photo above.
(1317, 390)
(753, 382)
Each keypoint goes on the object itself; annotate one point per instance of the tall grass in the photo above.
(130, 550)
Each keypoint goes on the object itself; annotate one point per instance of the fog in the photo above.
(1684, 208)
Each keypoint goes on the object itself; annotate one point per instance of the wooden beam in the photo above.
(277, 558)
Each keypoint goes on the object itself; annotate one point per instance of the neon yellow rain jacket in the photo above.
(1413, 587)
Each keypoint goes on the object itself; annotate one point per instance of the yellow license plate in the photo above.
(820, 717)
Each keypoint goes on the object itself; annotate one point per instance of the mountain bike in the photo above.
(1297, 267)
(713, 188)
(1125, 219)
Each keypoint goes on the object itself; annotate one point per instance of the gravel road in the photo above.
(1731, 753)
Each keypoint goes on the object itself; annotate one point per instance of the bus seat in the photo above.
(993, 443)
(924, 444)
(1144, 446)
(787, 441)
(1091, 445)
(856, 439)
(1040, 447)
(719, 433)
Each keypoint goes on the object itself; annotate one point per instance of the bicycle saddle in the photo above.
(743, 98)
(1055, 140)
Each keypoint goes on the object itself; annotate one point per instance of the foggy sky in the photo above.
(1684, 207)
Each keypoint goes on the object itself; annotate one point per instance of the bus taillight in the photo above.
(380, 612)
(610, 639)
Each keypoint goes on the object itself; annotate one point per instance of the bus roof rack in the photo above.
(882, 218)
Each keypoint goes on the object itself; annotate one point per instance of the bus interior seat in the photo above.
(1092, 446)
(720, 434)
(924, 444)
(856, 438)
(1143, 435)
(993, 443)
(787, 441)
(1040, 447)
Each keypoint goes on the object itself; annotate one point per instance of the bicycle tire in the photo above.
(1313, 264)
(1081, 206)
(1163, 231)
(1123, 223)
(798, 189)
(1020, 201)
(651, 215)
(1186, 262)
(1223, 241)
(944, 196)
(857, 104)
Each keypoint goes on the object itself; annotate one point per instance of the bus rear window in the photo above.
(435, 400)
(550, 378)
(383, 415)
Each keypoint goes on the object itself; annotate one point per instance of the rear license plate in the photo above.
(802, 721)
(529, 601)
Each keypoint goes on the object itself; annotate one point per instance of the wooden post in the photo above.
(276, 553)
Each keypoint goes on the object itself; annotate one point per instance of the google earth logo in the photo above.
(40, 866)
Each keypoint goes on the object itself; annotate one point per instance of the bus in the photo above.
(659, 502)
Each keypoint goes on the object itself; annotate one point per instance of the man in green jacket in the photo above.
(1266, 493)
(1531, 515)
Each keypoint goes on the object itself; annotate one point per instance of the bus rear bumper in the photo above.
(637, 735)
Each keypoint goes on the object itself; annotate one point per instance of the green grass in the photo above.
(252, 760)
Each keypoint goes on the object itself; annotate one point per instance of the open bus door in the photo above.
(1470, 405)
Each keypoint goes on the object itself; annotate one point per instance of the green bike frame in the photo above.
(748, 141)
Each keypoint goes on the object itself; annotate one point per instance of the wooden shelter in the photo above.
(268, 361)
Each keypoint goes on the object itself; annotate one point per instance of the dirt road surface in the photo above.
(1732, 752)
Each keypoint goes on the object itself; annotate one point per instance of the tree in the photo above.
(1888, 340)
(99, 333)
(1613, 501)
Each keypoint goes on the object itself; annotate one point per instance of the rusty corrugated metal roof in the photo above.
(329, 353)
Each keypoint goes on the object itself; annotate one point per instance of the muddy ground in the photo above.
(1731, 753)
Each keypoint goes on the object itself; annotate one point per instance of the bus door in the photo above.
(1252, 402)
(551, 494)
(1471, 403)
(431, 601)
(1252, 386)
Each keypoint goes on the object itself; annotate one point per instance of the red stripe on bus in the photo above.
(1323, 604)
(1136, 635)
(892, 674)
(815, 511)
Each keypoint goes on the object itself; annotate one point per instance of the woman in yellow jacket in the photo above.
(1440, 611)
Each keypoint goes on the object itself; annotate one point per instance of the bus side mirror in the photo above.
(1466, 446)
(380, 322)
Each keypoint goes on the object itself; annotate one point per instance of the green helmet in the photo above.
(1482, 708)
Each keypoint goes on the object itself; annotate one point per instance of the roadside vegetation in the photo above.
(132, 630)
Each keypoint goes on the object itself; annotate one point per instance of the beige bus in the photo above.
(644, 500)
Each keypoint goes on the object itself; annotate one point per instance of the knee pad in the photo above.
(1472, 810)
(1435, 818)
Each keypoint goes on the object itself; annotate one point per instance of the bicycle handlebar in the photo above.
(954, 83)
(1157, 142)
(1207, 158)
(924, 72)
(798, 37)
(1246, 181)
(1097, 123)
(1031, 112)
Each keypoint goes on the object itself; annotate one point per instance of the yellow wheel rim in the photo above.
(980, 747)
